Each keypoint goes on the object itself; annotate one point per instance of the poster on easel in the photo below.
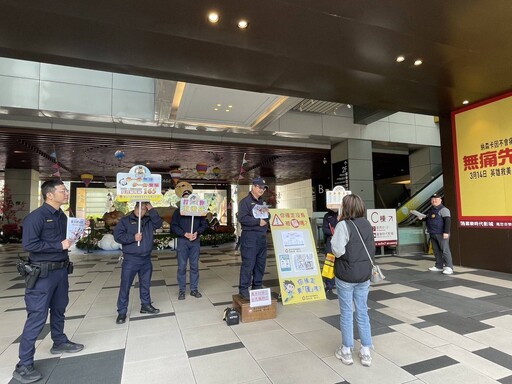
(300, 276)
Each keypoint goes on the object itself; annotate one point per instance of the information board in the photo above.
(383, 221)
(139, 185)
(300, 278)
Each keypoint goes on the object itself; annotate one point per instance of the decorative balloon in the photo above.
(86, 178)
(119, 155)
(175, 175)
(201, 169)
(216, 171)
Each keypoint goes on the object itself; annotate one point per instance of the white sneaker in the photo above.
(435, 269)
(366, 359)
(346, 358)
(447, 271)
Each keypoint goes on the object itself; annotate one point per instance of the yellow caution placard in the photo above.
(300, 277)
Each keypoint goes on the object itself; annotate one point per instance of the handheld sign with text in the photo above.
(139, 185)
(335, 197)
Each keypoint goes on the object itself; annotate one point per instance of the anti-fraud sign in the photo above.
(334, 198)
(299, 272)
(384, 226)
(193, 206)
(139, 185)
(483, 163)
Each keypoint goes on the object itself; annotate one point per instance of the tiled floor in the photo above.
(427, 327)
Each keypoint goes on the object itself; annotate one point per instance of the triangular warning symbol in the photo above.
(277, 221)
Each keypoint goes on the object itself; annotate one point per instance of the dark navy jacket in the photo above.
(438, 220)
(246, 217)
(43, 232)
(330, 220)
(182, 224)
(125, 230)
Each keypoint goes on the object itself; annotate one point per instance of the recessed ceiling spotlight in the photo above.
(418, 62)
(213, 17)
(230, 106)
(349, 106)
(400, 58)
(215, 109)
(243, 24)
(227, 110)
(465, 102)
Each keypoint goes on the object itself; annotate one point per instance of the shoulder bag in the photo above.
(377, 274)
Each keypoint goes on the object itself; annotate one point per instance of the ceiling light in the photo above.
(349, 106)
(243, 24)
(215, 109)
(400, 58)
(230, 106)
(418, 62)
(227, 110)
(213, 17)
(465, 102)
(219, 105)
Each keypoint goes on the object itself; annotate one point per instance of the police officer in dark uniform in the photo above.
(438, 226)
(44, 237)
(188, 249)
(253, 243)
(328, 225)
(137, 247)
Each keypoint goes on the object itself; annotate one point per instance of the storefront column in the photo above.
(24, 186)
(352, 166)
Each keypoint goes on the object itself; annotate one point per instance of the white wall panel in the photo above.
(134, 83)
(59, 73)
(402, 133)
(19, 93)
(133, 105)
(19, 68)
(75, 98)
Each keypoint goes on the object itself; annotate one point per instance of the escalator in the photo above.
(420, 201)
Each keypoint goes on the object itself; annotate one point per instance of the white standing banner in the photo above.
(385, 230)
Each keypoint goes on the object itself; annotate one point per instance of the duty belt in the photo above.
(51, 265)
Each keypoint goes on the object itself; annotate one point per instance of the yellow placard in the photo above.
(300, 278)
(483, 164)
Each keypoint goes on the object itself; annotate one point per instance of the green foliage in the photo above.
(160, 241)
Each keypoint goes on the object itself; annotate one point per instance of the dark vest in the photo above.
(435, 222)
(355, 266)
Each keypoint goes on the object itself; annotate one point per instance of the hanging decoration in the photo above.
(119, 155)
(201, 169)
(86, 178)
(216, 172)
(56, 164)
(175, 175)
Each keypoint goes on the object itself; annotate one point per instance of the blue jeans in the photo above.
(356, 293)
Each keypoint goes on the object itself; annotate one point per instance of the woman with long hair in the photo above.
(352, 271)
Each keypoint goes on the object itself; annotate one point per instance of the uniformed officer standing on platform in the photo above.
(253, 243)
(44, 237)
(137, 248)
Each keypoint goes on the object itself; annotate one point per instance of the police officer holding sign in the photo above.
(44, 237)
(253, 217)
(137, 243)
